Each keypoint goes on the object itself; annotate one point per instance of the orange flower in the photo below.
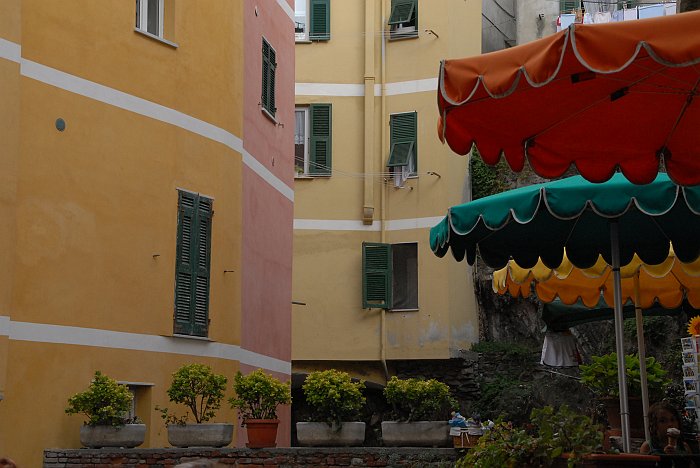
(694, 326)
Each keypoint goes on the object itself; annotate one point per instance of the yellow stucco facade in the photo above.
(101, 126)
(367, 74)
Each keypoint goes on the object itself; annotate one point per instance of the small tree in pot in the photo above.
(336, 402)
(257, 397)
(105, 403)
(421, 409)
(200, 390)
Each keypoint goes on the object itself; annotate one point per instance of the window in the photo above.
(269, 65)
(149, 16)
(312, 140)
(403, 21)
(141, 400)
(390, 276)
(403, 146)
(192, 264)
(312, 20)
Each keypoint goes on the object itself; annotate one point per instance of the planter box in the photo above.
(416, 434)
(128, 435)
(320, 434)
(200, 435)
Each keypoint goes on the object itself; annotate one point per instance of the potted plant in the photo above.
(257, 397)
(105, 403)
(556, 438)
(421, 409)
(201, 390)
(336, 402)
(600, 377)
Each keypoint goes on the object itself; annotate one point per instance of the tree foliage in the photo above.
(333, 396)
(198, 388)
(419, 399)
(105, 402)
(258, 395)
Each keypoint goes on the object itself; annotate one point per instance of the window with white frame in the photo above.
(149, 16)
(312, 20)
(312, 140)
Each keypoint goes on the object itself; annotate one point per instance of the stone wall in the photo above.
(247, 458)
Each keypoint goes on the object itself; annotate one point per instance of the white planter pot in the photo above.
(416, 434)
(200, 435)
(128, 435)
(320, 434)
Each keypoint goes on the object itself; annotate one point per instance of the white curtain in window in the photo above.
(299, 129)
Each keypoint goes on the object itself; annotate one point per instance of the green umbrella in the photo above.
(615, 219)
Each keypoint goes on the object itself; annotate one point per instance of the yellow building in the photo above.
(371, 178)
(146, 199)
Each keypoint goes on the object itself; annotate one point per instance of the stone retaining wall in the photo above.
(247, 458)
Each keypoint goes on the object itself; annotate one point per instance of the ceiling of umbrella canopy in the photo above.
(539, 221)
(600, 97)
(666, 284)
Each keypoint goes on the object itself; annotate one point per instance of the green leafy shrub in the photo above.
(601, 376)
(553, 434)
(333, 396)
(198, 388)
(419, 399)
(258, 394)
(105, 402)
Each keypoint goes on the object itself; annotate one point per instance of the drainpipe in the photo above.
(368, 205)
(382, 184)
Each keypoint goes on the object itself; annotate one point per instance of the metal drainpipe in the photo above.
(383, 185)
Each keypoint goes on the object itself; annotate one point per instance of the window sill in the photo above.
(404, 310)
(190, 337)
(312, 177)
(303, 41)
(401, 37)
(135, 384)
(156, 38)
(269, 115)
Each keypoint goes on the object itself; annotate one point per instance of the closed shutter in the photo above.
(269, 66)
(403, 139)
(320, 139)
(566, 6)
(192, 265)
(376, 275)
(320, 29)
(402, 11)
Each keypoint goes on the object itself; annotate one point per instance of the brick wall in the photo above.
(247, 458)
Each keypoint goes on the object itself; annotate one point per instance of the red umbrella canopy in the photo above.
(597, 96)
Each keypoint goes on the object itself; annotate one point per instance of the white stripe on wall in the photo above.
(10, 50)
(122, 100)
(289, 11)
(59, 334)
(352, 225)
(356, 90)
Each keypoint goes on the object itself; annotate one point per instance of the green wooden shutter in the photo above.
(376, 275)
(320, 139)
(192, 265)
(403, 145)
(565, 6)
(403, 11)
(269, 66)
(320, 22)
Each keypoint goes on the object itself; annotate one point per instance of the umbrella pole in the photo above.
(642, 357)
(619, 345)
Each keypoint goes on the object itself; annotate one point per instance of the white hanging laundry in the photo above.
(567, 19)
(602, 17)
(587, 18)
(617, 16)
(669, 8)
(560, 350)
(650, 11)
(629, 14)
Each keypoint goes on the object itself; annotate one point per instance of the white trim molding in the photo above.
(288, 10)
(60, 334)
(358, 90)
(144, 107)
(353, 225)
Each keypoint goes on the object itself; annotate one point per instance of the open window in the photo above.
(149, 16)
(312, 140)
(312, 20)
(390, 276)
(403, 21)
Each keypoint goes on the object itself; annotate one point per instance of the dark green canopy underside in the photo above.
(539, 221)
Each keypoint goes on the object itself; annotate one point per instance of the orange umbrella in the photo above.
(666, 284)
(599, 96)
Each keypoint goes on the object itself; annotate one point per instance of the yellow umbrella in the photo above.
(667, 284)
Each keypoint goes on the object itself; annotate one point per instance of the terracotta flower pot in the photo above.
(262, 433)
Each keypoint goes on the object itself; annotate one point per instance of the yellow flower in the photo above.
(694, 326)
